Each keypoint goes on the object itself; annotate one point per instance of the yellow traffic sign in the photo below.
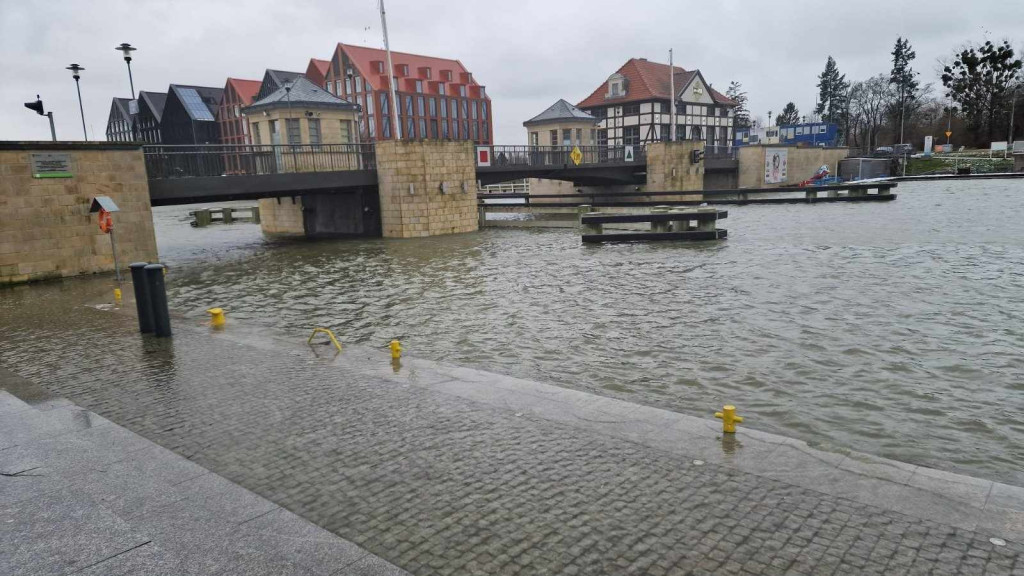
(576, 155)
(948, 133)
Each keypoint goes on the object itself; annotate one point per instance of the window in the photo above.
(534, 139)
(433, 108)
(473, 109)
(483, 108)
(245, 127)
(419, 86)
(465, 109)
(423, 128)
(579, 136)
(329, 86)
(602, 137)
(273, 130)
(348, 85)
(447, 75)
(599, 113)
(380, 67)
(630, 109)
(483, 93)
(822, 129)
(408, 105)
(484, 133)
(313, 125)
(337, 87)
(631, 135)
(614, 89)
(345, 131)
(373, 128)
(444, 108)
(444, 128)
(476, 131)
(405, 69)
(455, 109)
(384, 108)
(440, 88)
(567, 137)
(554, 137)
(433, 129)
(410, 129)
(294, 132)
(465, 129)
(385, 126)
(462, 90)
(419, 105)
(369, 104)
(455, 129)
(359, 83)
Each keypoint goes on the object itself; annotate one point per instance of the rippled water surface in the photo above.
(892, 328)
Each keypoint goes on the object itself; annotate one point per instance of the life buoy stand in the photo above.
(106, 221)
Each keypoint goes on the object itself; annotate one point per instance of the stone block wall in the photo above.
(424, 209)
(670, 168)
(282, 216)
(47, 231)
(801, 164)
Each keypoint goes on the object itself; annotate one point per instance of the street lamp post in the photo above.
(76, 73)
(38, 107)
(127, 49)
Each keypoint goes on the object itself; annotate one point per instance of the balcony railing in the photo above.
(206, 160)
(562, 155)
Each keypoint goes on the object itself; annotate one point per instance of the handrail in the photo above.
(204, 160)
(717, 192)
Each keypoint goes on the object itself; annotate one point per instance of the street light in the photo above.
(127, 49)
(38, 107)
(76, 73)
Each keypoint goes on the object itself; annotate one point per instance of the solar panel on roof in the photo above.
(194, 104)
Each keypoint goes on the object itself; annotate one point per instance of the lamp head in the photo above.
(126, 49)
(76, 71)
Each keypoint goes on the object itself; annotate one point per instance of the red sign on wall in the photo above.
(483, 155)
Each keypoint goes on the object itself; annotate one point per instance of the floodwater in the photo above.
(890, 328)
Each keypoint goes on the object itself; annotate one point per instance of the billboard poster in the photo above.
(775, 165)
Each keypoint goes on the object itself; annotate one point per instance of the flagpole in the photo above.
(391, 73)
(671, 98)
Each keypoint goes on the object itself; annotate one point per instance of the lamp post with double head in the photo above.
(76, 72)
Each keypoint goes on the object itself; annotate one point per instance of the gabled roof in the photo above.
(558, 112)
(200, 102)
(282, 76)
(361, 56)
(246, 89)
(648, 80)
(120, 105)
(155, 102)
(317, 70)
(304, 94)
(274, 79)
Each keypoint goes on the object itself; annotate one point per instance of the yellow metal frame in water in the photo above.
(329, 334)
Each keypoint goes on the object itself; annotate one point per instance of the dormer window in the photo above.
(616, 86)
(403, 69)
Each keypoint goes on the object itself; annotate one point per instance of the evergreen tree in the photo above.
(904, 82)
(832, 93)
(979, 79)
(789, 115)
(741, 118)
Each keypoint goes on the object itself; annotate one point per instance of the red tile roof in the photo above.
(647, 80)
(362, 56)
(317, 69)
(246, 89)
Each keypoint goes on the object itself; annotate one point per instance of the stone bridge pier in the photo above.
(424, 188)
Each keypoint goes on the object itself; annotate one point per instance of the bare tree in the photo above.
(869, 104)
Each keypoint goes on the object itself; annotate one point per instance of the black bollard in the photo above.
(143, 305)
(158, 299)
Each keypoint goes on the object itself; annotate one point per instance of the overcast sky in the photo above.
(528, 53)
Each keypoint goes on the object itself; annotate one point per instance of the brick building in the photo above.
(316, 72)
(237, 95)
(438, 98)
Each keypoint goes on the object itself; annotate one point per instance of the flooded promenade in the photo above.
(838, 325)
(892, 329)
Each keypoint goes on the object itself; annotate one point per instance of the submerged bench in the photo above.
(666, 224)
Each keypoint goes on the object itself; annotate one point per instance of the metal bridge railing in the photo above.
(716, 152)
(561, 155)
(205, 160)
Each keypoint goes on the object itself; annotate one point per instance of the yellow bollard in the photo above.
(729, 418)
(396, 349)
(217, 318)
(117, 295)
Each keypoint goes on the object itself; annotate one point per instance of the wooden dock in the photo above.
(228, 215)
(666, 224)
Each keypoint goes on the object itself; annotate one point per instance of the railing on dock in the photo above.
(206, 160)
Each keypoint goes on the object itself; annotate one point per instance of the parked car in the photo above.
(903, 149)
(883, 151)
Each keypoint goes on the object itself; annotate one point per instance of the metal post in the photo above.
(143, 304)
(113, 249)
(53, 133)
(672, 98)
(391, 74)
(130, 81)
(78, 88)
(158, 299)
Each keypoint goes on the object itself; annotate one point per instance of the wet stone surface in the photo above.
(441, 485)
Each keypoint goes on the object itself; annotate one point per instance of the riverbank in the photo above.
(442, 469)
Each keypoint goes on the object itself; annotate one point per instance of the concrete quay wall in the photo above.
(46, 230)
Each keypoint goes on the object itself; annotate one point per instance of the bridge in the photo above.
(185, 174)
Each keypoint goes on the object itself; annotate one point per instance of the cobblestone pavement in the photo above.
(437, 484)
